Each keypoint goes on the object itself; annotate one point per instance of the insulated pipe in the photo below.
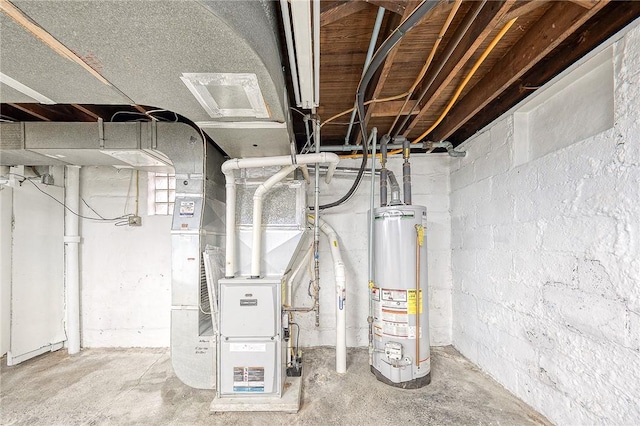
(341, 294)
(372, 46)
(263, 188)
(406, 172)
(244, 163)
(72, 269)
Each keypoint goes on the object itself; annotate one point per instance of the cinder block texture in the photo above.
(546, 261)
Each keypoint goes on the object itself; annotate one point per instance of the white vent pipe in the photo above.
(71, 255)
(341, 294)
(228, 168)
(258, 196)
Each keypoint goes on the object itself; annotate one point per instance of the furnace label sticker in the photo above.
(248, 379)
(187, 208)
(247, 347)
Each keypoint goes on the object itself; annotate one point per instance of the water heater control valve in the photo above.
(393, 351)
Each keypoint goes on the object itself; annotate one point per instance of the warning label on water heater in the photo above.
(391, 314)
(248, 379)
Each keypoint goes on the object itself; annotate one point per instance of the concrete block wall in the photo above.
(546, 259)
(125, 273)
(431, 189)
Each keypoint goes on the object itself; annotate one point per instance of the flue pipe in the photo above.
(258, 196)
(228, 168)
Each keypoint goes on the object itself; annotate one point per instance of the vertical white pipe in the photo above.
(263, 188)
(72, 268)
(341, 293)
(230, 254)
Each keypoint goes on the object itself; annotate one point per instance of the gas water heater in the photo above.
(399, 299)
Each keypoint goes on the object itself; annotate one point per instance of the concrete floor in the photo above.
(137, 386)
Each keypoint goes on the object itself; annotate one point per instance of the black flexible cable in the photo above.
(376, 61)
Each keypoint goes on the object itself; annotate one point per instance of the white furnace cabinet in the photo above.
(250, 356)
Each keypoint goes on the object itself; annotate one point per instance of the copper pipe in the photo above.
(417, 296)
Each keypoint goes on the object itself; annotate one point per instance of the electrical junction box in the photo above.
(250, 350)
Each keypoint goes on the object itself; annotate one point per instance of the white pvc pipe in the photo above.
(244, 163)
(230, 270)
(341, 295)
(263, 188)
(305, 173)
(71, 252)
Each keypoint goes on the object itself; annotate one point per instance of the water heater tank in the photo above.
(401, 354)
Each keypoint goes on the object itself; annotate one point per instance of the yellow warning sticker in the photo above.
(411, 302)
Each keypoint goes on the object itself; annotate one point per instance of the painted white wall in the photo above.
(6, 215)
(546, 252)
(125, 271)
(37, 270)
(431, 189)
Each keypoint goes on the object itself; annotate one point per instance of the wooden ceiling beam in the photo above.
(558, 23)
(34, 110)
(485, 22)
(341, 10)
(86, 111)
(398, 7)
(587, 4)
(392, 108)
(611, 19)
(523, 8)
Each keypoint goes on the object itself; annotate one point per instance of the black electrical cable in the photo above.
(376, 62)
(101, 219)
